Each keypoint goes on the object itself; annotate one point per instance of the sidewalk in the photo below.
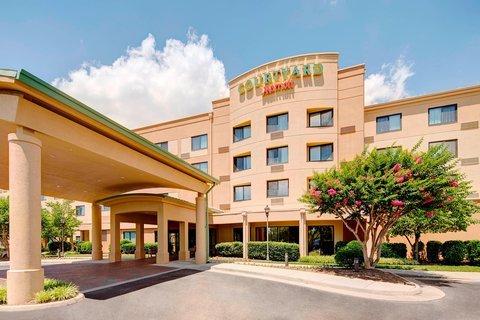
(354, 287)
(450, 275)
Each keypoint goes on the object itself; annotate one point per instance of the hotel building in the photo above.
(283, 121)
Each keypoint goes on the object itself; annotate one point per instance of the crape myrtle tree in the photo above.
(60, 221)
(4, 225)
(457, 215)
(373, 191)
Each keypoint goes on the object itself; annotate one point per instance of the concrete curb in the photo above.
(354, 287)
(41, 306)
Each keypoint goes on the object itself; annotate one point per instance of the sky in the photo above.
(142, 62)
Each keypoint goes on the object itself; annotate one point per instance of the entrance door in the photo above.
(173, 244)
(321, 238)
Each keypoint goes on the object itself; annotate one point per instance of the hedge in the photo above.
(346, 255)
(394, 250)
(53, 246)
(151, 248)
(340, 244)
(84, 247)
(123, 241)
(473, 251)
(127, 247)
(433, 251)
(277, 250)
(230, 249)
(453, 252)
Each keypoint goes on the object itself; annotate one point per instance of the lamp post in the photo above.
(62, 222)
(267, 211)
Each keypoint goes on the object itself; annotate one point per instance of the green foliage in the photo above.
(340, 244)
(150, 248)
(230, 249)
(127, 248)
(399, 249)
(317, 259)
(59, 221)
(84, 247)
(433, 251)
(56, 290)
(396, 262)
(453, 252)
(54, 246)
(3, 295)
(123, 241)
(385, 186)
(346, 255)
(387, 252)
(4, 222)
(473, 251)
(258, 250)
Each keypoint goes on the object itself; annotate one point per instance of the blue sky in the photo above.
(439, 40)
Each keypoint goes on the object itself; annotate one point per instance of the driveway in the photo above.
(210, 295)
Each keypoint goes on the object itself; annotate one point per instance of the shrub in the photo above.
(453, 252)
(323, 260)
(394, 250)
(346, 255)
(277, 250)
(63, 291)
(151, 248)
(123, 241)
(127, 248)
(84, 247)
(3, 295)
(340, 244)
(230, 249)
(473, 251)
(54, 246)
(387, 251)
(396, 262)
(433, 251)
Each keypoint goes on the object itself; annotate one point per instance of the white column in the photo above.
(139, 241)
(97, 253)
(25, 276)
(246, 235)
(302, 233)
(201, 229)
(162, 234)
(115, 254)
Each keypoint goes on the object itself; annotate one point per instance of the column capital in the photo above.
(201, 195)
(24, 135)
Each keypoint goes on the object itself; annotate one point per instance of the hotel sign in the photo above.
(281, 79)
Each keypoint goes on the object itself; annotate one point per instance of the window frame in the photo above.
(277, 115)
(243, 156)
(319, 145)
(82, 206)
(159, 144)
(199, 136)
(278, 180)
(388, 116)
(243, 192)
(280, 163)
(448, 140)
(243, 128)
(198, 163)
(130, 237)
(310, 113)
(440, 107)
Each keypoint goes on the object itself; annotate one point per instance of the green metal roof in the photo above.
(33, 81)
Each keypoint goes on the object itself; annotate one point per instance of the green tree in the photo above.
(61, 221)
(4, 227)
(456, 216)
(377, 188)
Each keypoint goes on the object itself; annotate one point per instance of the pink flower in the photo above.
(454, 183)
(428, 199)
(400, 179)
(358, 203)
(397, 167)
(429, 214)
(345, 201)
(397, 203)
(331, 192)
(418, 160)
(449, 199)
(317, 193)
(312, 191)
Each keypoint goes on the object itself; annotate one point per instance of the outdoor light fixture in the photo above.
(267, 212)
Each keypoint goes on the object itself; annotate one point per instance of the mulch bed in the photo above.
(365, 274)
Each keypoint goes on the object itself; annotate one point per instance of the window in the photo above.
(163, 145)
(321, 118)
(241, 133)
(278, 234)
(442, 115)
(389, 123)
(277, 123)
(321, 238)
(242, 163)
(80, 210)
(389, 149)
(451, 145)
(277, 188)
(129, 235)
(238, 234)
(103, 208)
(322, 152)
(242, 193)
(43, 198)
(78, 238)
(277, 155)
(199, 142)
(201, 166)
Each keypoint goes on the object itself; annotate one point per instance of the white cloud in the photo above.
(146, 85)
(389, 83)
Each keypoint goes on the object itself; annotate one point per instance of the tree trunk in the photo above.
(415, 246)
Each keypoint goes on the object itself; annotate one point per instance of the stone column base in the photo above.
(184, 255)
(162, 258)
(23, 284)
